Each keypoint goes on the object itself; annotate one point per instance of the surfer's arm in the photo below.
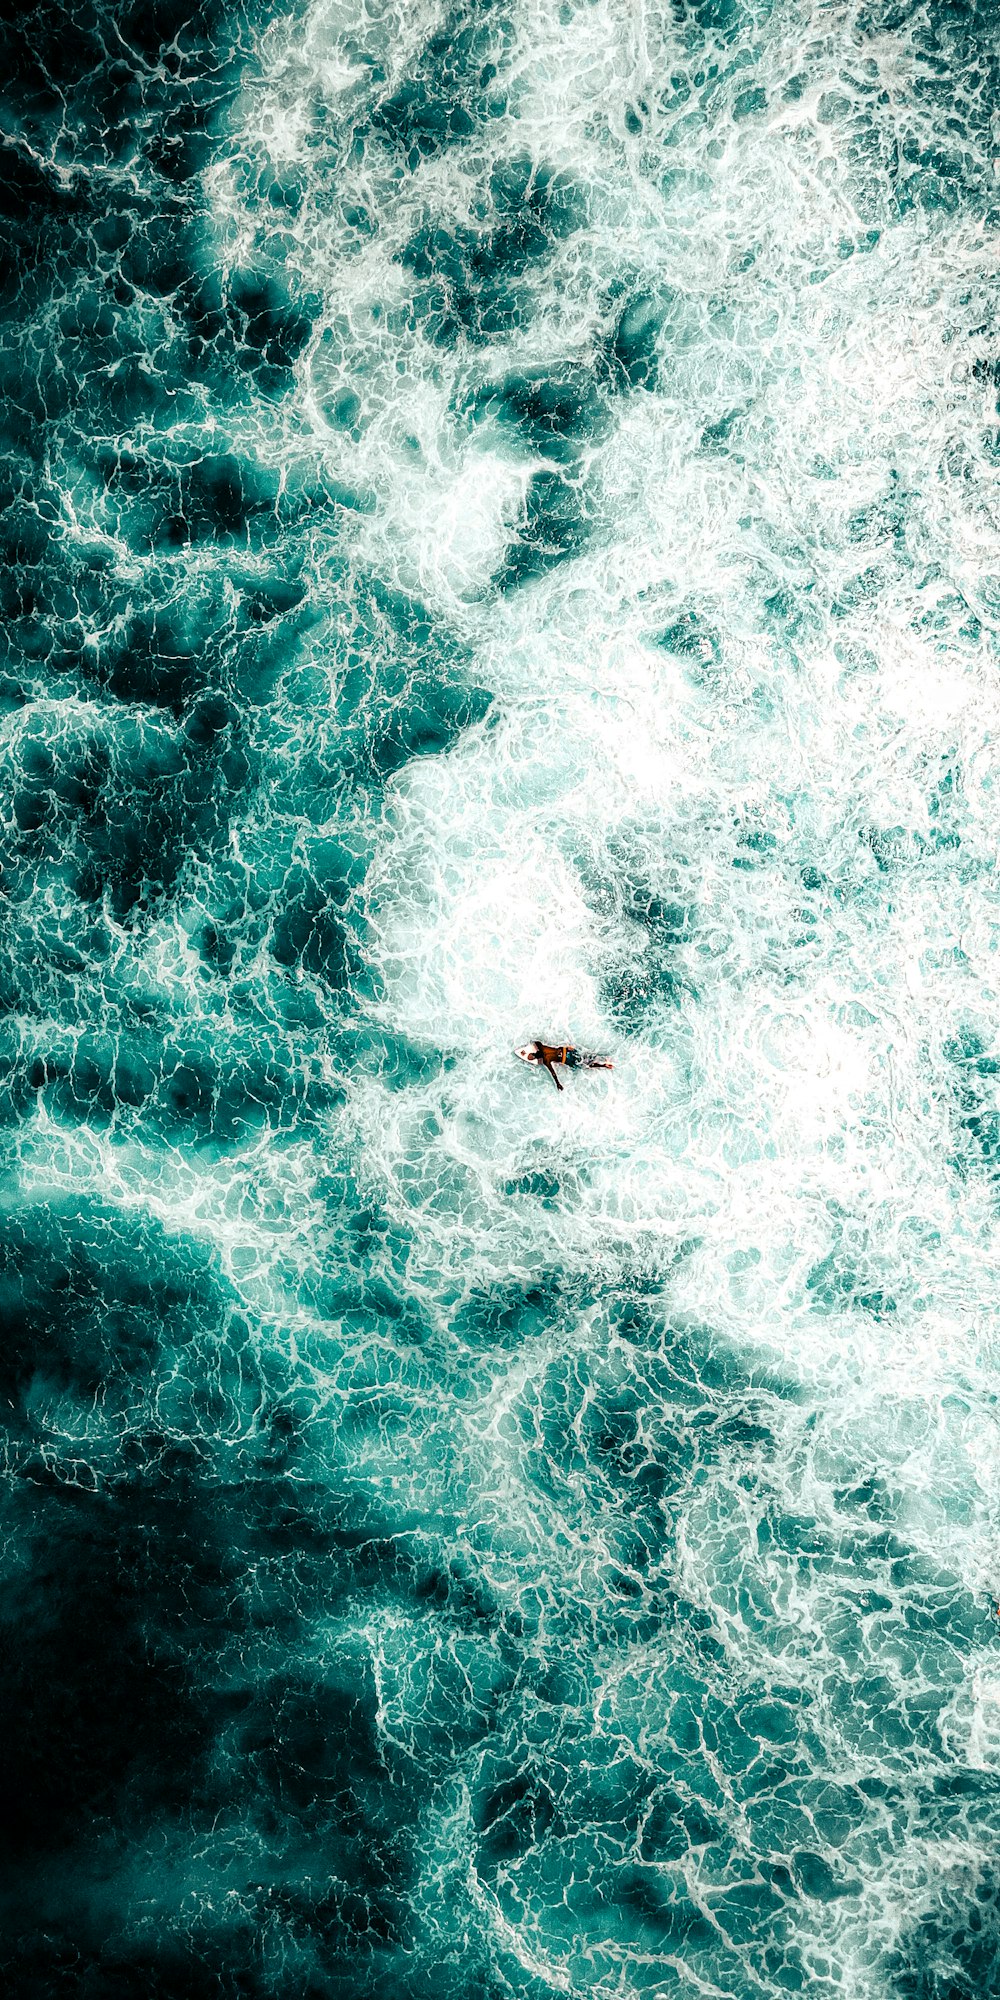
(550, 1066)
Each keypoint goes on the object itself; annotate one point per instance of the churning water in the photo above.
(500, 525)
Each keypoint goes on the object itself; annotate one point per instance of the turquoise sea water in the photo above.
(500, 538)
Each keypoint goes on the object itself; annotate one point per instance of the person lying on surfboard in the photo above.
(566, 1054)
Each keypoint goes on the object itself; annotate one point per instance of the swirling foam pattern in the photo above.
(500, 533)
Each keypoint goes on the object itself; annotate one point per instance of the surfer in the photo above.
(565, 1053)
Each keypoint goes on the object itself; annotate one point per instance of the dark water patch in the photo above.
(529, 194)
(306, 1760)
(53, 1964)
(507, 1315)
(51, 48)
(514, 1817)
(633, 344)
(792, 614)
(148, 82)
(937, 178)
(266, 598)
(282, 189)
(465, 1599)
(674, 1825)
(554, 413)
(653, 970)
(178, 129)
(526, 1804)
(755, 849)
(26, 568)
(592, 1437)
(987, 370)
(159, 255)
(216, 497)
(116, 1723)
(467, 284)
(944, 804)
(397, 1059)
(977, 1107)
(96, 1075)
(454, 86)
(883, 520)
(692, 639)
(14, 695)
(199, 297)
(952, 1953)
(696, 1361)
(626, 1439)
(721, 436)
(552, 527)
(86, 1295)
(225, 634)
(130, 1076)
(541, 1184)
(218, 944)
(723, 20)
(100, 1708)
(845, 1281)
(863, 589)
(370, 1311)
(309, 929)
(831, 1543)
(665, 1916)
(175, 31)
(47, 956)
(424, 720)
(34, 392)
(224, 1099)
(753, 1910)
(974, 1792)
(617, 1445)
(480, 280)
(771, 1715)
(315, 1752)
(119, 816)
(636, 1439)
(163, 657)
(35, 207)
(406, 689)
(269, 328)
(873, 1496)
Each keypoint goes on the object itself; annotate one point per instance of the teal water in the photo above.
(500, 537)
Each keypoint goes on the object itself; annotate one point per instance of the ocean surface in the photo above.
(501, 538)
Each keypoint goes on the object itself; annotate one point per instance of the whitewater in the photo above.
(501, 535)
